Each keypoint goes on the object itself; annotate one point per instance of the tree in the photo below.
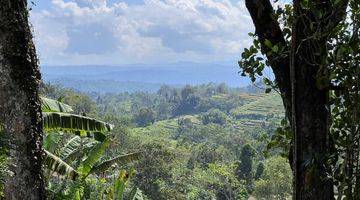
(275, 182)
(20, 103)
(189, 101)
(145, 117)
(259, 171)
(345, 130)
(222, 88)
(155, 169)
(214, 116)
(244, 170)
(302, 78)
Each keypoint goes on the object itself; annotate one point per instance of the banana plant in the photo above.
(57, 117)
(88, 144)
(116, 191)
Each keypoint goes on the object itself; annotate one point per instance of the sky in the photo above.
(115, 32)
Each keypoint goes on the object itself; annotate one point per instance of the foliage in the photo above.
(244, 169)
(85, 153)
(189, 101)
(344, 62)
(3, 162)
(338, 74)
(214, 116)
(181, 157)
(221, 181)
(275, 182)
(154, 170)
(145, 117)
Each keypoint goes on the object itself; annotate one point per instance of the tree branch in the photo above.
(339, 13)
(268, 28)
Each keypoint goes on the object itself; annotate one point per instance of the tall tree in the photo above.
(19, 102)
(302, 79)
(245, 168)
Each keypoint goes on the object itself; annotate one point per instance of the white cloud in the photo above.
(97, 32)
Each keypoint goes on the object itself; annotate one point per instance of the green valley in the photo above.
(197, 142)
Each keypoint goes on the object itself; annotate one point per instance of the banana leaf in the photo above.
(119, 159)
(72, 149)
(52, 141)
(71, 123)
(93, 156)
(58, 166)
(50, 105)
(120, 184)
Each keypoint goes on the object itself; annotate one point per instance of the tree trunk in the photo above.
(311, 111)
(297, 76)
(19, 102)
(311, 122)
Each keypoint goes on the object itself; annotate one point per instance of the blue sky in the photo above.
(103, 32)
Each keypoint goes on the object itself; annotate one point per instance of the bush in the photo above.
(145, 117)
(215, 116)
(276, 181)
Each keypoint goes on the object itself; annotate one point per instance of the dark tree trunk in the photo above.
(310, 119)
(310, 106)
(305, 100)
(19, 102)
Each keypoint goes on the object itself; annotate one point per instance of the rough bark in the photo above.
(305, 103)
(311, 112)
(310, 119)
(19, 102)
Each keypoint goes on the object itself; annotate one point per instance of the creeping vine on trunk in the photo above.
(20, 103)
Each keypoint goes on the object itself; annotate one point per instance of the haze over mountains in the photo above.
(141, 77)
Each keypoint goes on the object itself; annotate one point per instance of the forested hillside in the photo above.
(94, 123)
(197, 142)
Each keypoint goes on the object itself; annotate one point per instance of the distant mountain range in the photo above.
(141, 77)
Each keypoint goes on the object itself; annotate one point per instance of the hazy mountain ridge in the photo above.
(141, 77)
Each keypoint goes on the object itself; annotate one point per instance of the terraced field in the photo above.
(258, 112)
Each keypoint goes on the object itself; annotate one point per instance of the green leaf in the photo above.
(72, 149)
(51, 142)
(268, 43)
(94, 155)
(251, 34)
(80, 125)
(58, 166)
(120, 159)
(275, 49)
(50, 105)
(267, 81)
(135, 194)
(121, 182)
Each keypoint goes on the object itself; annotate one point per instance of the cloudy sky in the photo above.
(80, 32)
